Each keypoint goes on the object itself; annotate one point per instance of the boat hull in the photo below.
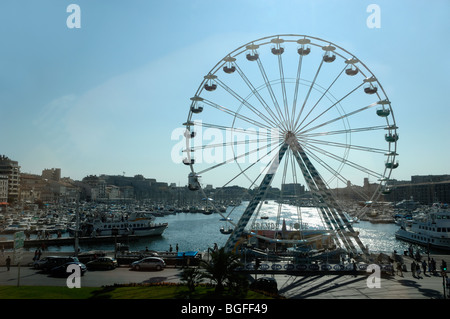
(426, 241)
(153, 230)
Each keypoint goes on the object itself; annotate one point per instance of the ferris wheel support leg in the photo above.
(334, 211)
(311, 177)
(230, 245)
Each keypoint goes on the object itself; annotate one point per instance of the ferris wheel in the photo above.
(292, 110)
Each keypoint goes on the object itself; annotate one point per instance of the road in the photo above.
(97, 278)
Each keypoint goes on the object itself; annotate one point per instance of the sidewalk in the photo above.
(351, 287)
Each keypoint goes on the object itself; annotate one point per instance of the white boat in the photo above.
(430, 229)
(136, 223)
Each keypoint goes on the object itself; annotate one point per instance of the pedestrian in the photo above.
(418, 271)
(35, 255)
(176, 247)
(433, 266)
(354, 268)
(399, 269)
(170, 248)
(424, 267)
(447, 282)
(8, 263)
(413, 269)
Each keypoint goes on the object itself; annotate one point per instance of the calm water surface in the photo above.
(196, 231)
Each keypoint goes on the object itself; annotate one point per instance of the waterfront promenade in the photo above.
(312, 286)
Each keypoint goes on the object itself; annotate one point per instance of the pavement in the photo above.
(360, 287)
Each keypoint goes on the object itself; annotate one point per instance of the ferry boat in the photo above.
(429, 229)
(136, 223)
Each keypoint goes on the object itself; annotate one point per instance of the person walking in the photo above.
(8, 263)
(424, 267)
(399, 269)
(433, 266)
(413, 269)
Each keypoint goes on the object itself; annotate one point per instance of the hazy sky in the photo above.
(105, 98)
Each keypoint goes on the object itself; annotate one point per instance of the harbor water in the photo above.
(198, 232)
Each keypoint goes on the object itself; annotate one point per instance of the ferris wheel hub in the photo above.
(291, 139)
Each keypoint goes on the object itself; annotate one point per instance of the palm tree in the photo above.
(220, 269)
(191, 277)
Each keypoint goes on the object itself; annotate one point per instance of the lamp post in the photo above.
(77, 228)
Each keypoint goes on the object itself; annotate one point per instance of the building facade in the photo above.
(3, 188)
(427, 189)
(11, 169)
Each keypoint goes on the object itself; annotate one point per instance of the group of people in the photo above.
(418, 265)
(171, 248)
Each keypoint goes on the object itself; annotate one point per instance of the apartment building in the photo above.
(11, 169)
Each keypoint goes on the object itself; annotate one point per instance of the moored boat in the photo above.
(139, 224)
(430, 229)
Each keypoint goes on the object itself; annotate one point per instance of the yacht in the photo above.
(139, 224)
(430, 228)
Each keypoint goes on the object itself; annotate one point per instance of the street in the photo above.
(94, 278)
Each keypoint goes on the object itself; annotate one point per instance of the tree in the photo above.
(191, 277)
(221, 269)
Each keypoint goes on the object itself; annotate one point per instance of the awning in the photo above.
(187, 254)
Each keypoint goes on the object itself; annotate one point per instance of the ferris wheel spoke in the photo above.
(346, 146)
(336, 173)
(347, 131)
(236, 157)
(322, 96)
(274, 117)
(225, 144)
(237, 115)
(243, 172)
(297, 84)
(340, 159)
(272, 94)
(246, 103)
(283, 88)
(307, 95)
(299, 128)
(338, 118)
(230, 129)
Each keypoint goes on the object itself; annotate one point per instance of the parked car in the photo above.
(85, 257)
(61, 270)
(102, 263)
(149, 263)
(37, 264)
(55, 261)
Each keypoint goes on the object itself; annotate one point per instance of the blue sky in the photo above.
(105, 98)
